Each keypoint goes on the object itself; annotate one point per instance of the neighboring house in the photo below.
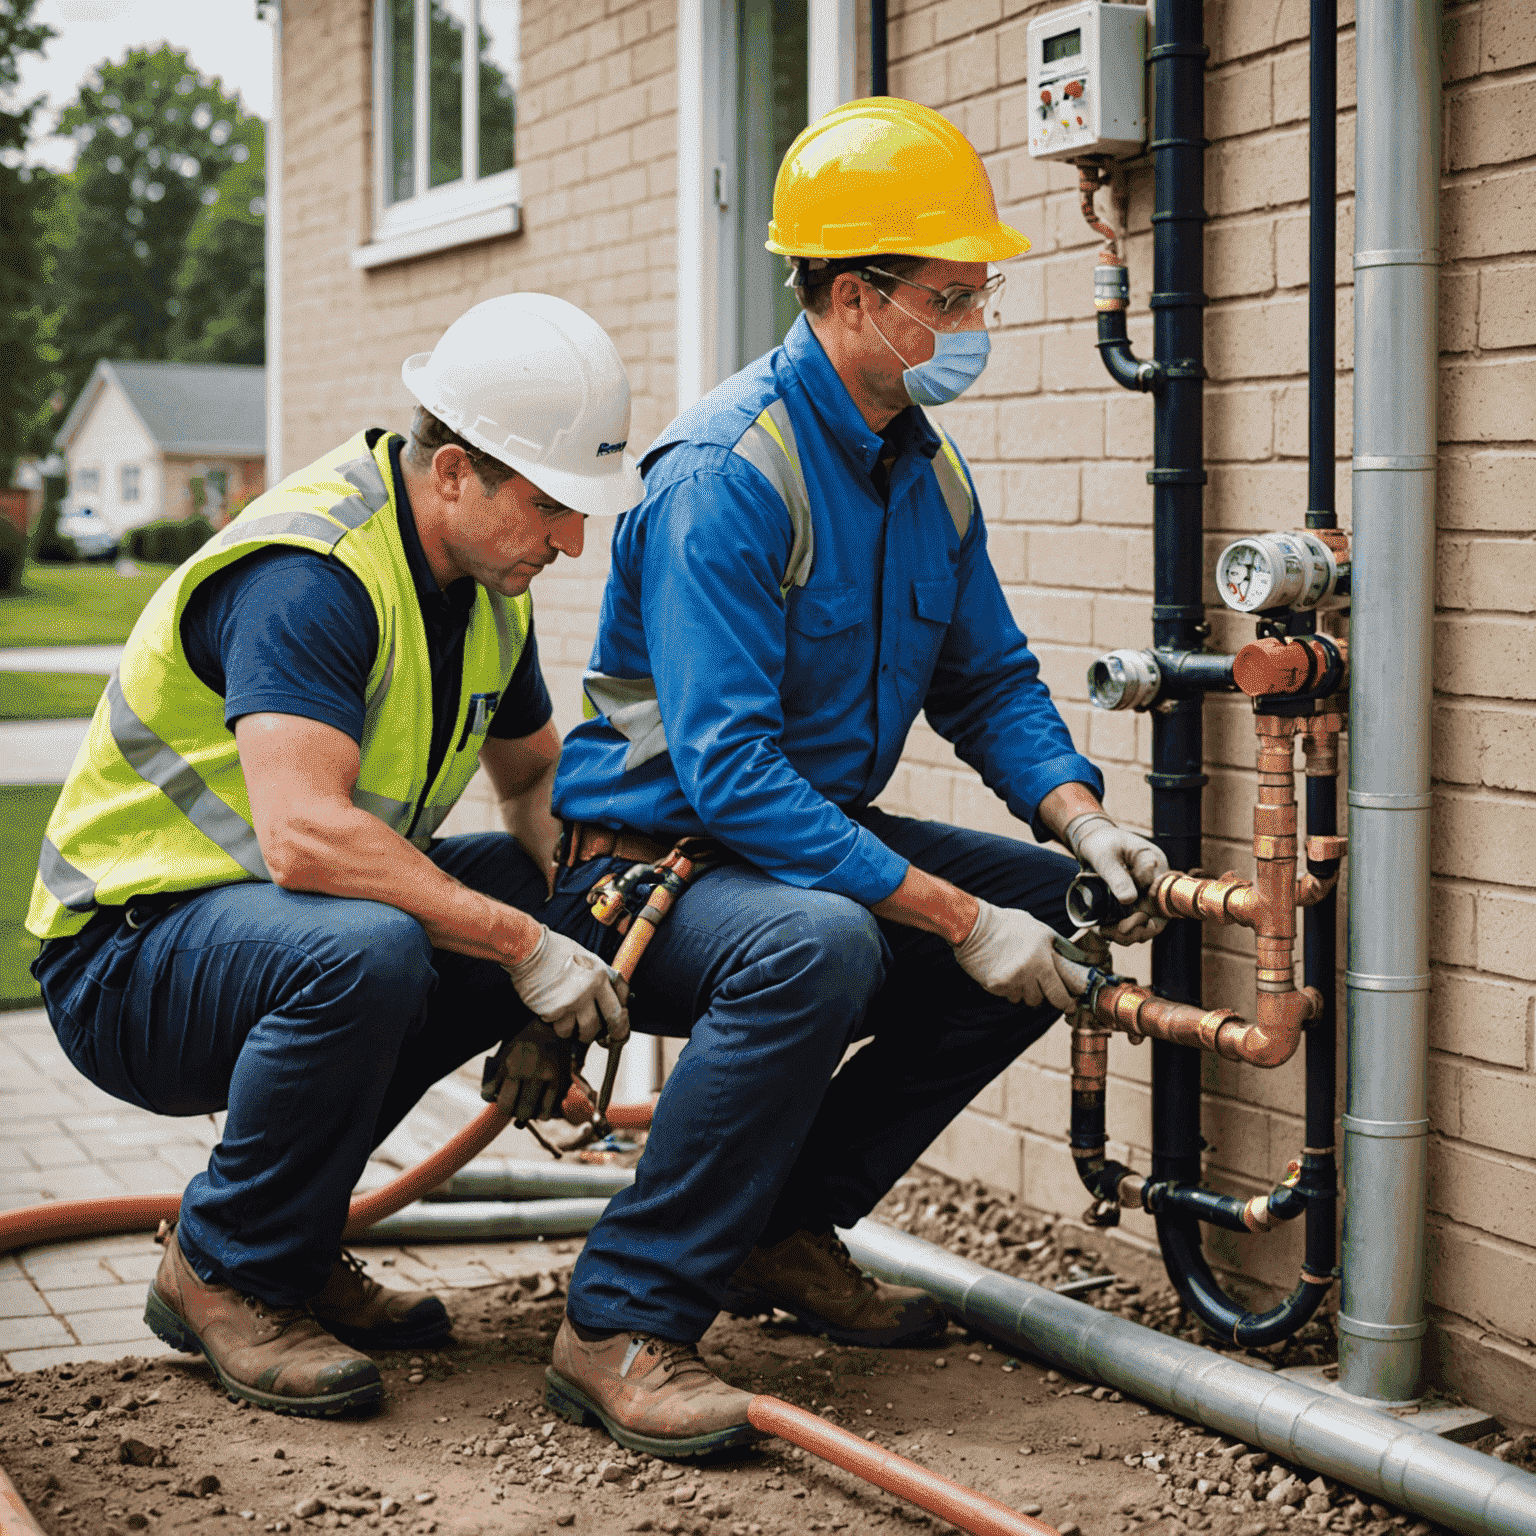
(165, 440)
(646, 137)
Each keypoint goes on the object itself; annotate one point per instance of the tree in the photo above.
(23, 194)
(160, 241)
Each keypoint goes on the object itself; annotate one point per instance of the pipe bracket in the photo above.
(1360, 981)
(1361, 800)
(1177, 476)
(1401, 256)
(1416, 462)
(1384, 1130)
(1390, 1332)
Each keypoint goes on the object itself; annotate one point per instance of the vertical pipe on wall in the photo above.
(273, 258)
(1178, 614)
(831, 47)
(879, 50)
(1397, 155)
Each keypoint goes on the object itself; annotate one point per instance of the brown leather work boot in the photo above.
(650, 1394)
(275, 1357)
(813, 1276)
(366, 1315)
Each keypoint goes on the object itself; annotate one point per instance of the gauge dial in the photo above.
(1245, 576)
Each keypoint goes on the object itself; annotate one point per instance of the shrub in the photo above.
(168, 542)
(47, 543)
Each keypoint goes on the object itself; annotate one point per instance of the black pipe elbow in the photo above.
(1124, 367)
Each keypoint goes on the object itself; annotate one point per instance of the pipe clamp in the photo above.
(1363, 981)
(1388, 1332)
(1364, 462)
(1360, 799)
(1384, 1130)
(1401, 256)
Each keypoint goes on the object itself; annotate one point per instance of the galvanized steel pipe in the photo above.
(466, 1220)
(1397, 157)
(1358, 1445)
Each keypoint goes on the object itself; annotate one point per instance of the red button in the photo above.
(1074, 88)
(1045, 96)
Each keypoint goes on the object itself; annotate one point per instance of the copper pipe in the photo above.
(1269, 1041)
(939, 1495)
(1090, 177)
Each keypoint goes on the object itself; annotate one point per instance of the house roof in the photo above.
(195, 408)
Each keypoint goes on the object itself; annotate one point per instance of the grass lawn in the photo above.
(24, 812)
(76, 604)
(49, 695)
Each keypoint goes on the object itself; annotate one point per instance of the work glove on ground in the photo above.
(572, 991)
(1011, 954)
(1130, 865)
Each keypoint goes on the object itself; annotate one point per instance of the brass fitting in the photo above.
(1269, 1041)
(1090, 1057)
(1130, 1190)
(1270, 668)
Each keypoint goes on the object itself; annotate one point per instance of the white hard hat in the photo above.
(537, 383)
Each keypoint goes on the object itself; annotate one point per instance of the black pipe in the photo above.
(1322, 176)
(1286, 1203)
(1111, 298)
(879, 54)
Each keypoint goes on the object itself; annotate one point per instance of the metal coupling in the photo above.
(1124, 680)
(1111, 287)
(1130, 1191)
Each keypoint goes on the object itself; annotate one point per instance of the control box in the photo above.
(1087, 81)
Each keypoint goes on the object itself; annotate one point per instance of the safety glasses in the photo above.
(956, 301)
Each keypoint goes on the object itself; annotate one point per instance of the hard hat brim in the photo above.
(609, 494)
(1001, 243)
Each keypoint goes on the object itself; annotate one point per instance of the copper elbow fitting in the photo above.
(1224, 899)
(1269, 1041)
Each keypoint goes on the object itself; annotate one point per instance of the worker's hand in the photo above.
(535, 1073)
(1011, 954)
(572, 990)
(1130, 865)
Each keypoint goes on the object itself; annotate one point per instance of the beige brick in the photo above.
(1121, 621)
(1045, 614)
(1255, 497)
(1493, 490)
(1493, 123)
(1482, 1191)
(1474, 1276)
(1266, 171)
(1240, 424)
(1505, 925)
(1293, 86)
(971, 1147)
(1060, 557)
(1236, 28)
(1453, 925)
(1508, 34)
(1444, 1094)
(1474, 1016)
(1050, 1176)
(1237, 101)
(958, 18)
(1111, 736)
(1240, 258)
(1117, 493)
(1492, 216)
(1245, 341)
(1013, 366)
(1498, 1110)
(1492, 657)
(1459, 311)
(1506, 313)
(1053, 427)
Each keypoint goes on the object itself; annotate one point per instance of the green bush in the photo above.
(47, 543)
(13, 556)
(167, 542)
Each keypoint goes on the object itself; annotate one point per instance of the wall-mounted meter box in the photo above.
(1087, 81)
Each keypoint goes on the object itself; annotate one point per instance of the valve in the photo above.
(1284, 570)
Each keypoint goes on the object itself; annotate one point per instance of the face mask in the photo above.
(957, 362)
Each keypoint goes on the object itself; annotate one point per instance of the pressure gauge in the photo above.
(1276, 570)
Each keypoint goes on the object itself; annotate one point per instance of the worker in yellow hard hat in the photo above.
(808, 572)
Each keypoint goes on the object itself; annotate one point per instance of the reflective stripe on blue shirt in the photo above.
(785, 707)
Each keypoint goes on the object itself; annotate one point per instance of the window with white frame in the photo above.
(128, 475)
(445, 118)
(87, 481)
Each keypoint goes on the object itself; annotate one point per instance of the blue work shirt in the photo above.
(785, 713)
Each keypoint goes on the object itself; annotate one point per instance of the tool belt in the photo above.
(583, 840)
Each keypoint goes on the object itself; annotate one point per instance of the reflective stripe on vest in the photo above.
(182, 784)
(629, 704)
(69, 886)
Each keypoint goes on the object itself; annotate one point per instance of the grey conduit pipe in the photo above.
(469, 1220)
(519, 1179)
(1397, 157)
(1370, 1450)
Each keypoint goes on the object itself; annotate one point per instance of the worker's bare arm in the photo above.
(300, 775)
(522, 774)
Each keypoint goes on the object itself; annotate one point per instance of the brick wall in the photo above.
(596, 149)
(1060, 456)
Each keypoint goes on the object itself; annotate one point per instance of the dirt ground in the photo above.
(464, 1446)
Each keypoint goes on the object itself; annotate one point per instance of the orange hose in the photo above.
(939, 1495)
(15, 1518)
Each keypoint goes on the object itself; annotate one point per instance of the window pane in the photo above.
(445, 87)
(500, 21)
(400, 40)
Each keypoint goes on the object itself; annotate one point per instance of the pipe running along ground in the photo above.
(1342, 1439)
(932, 1491)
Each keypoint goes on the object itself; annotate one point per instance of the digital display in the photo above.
(1063, 45)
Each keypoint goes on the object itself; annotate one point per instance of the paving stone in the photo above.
(20, 1299)
(79, 1354)
(31, 1333)
(88, 1182)
(59, 1269)
(148, 1177)
(56, 1152)
(20, 1199)
(93, 1298)
(123, 1325)
(13, 1155)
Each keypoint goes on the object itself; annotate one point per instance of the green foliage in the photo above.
(76, 605)
(13, 556)
(158, 228)
(49, 695)
(47, 543)
(168, 542)
(24, 813)
(24, 193)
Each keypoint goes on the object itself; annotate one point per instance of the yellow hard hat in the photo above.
(887, 175)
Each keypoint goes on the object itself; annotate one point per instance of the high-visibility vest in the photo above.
(156, 800)
(629, 704)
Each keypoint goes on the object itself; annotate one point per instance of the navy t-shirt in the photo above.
(288, 631)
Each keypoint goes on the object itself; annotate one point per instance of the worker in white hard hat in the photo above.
(243, 901)
(807, 573)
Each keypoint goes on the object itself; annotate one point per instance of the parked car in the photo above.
(89, 533)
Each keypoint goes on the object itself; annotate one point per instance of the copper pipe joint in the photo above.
(1090, 1058)
(1269, 1041)
(1320, 849)
(1256, 1215)
(1130, 1190)
(1224, 899)
(1267, 668)
(1310, 889)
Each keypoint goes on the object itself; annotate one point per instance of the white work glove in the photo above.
(572, 990)
(1130, 865)
(1011, 954)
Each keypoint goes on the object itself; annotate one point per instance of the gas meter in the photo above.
(1087, 81)
(1281, 570)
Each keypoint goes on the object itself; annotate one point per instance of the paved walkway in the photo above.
(99, 659)
(39, 751)
(61, 1138)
